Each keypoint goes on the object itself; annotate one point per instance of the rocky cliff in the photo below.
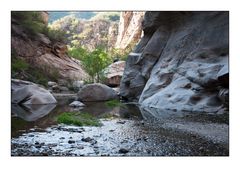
(130, 28)
(39, 52)
(181, 63)
(88, 33)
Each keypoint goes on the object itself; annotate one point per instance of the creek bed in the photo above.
(126, 131)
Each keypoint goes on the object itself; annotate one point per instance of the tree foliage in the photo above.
(53, 16)
(93, 62)
(110, 16)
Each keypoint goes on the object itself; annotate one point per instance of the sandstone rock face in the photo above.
(181, 63)
(24, 92)
(130, 28)
(114, 73)
(96, 92)
(42, 53)
(66, 67)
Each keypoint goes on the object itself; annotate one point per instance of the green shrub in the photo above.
(19, 65)
(55, 35)
(78, 53)
(20, 69)
(79, 119)
(31, 21)
(43, 75)
(88, 81)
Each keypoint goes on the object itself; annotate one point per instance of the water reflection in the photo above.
(130, 111)
(32, 112)
(98, 109)
(162, 131)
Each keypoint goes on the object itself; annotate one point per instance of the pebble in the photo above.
(93, 142)
(45, 154)
(145, 138)
(88, 139)
(124, 141)
(121, 122)
(71, 141)
(123, 150)
(52, 145)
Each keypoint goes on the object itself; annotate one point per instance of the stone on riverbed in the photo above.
(76, 104)
(96, 92)
(123, 150)
(51, 83)
(88, 139)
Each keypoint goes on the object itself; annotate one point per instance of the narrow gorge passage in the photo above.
(120, 83)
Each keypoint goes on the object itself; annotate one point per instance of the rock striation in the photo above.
(43, 53)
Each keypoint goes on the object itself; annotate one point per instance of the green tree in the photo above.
(93, 62)
(78, 53)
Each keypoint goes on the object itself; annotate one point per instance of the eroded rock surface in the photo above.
(181, 62)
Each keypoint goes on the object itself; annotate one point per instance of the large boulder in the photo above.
(181, 62)
(24, 92)
(96, 92)
(114, 73)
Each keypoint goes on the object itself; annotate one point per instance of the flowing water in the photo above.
(126, 131)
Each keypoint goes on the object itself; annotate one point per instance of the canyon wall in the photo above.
(181, 63)
(130, 28)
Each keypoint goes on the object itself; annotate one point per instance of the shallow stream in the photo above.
(126, 131)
